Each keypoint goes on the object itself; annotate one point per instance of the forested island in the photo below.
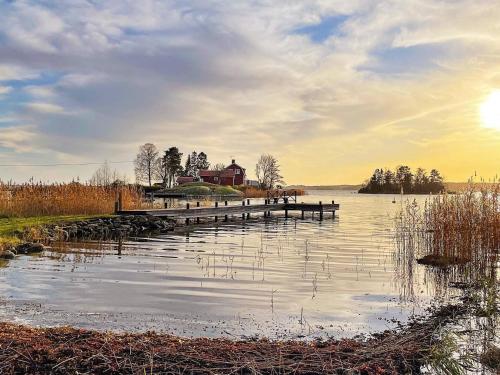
(403, 180)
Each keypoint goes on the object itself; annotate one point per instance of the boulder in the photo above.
(30, 248)
(7, 255)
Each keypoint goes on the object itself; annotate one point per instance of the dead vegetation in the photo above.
(38, 199)
(453, 229)
(69, 350)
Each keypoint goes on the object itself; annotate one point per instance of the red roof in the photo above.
(223, 173)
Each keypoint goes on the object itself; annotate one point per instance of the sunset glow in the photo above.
(334, 89)
(490, 111)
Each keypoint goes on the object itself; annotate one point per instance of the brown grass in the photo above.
(460, 234)
(461, 226)
(66, 350)
(39, 199)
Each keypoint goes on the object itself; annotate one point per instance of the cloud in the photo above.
(17, 138)
(239, 78)
(5, 90)
(44, 107)
(40, 91)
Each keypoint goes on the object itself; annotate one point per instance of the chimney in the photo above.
(233, 162)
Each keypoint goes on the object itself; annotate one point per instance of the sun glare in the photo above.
(490, 111)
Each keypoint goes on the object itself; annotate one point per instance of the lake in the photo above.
(279, 278)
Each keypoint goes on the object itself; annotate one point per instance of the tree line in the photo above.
(151, 165)
(403, 179)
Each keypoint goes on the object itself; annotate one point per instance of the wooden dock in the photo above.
(224, 210)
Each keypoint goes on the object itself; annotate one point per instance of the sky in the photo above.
(333, 89)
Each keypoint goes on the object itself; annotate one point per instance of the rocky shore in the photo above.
(102, 228)
(114, 227)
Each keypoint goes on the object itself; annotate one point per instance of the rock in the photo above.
(109, 228)
(491, 357)
(7, 255)
(30, 248)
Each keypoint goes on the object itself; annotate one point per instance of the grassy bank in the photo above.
(204, 188)
(16, 229)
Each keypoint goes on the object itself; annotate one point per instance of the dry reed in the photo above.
(459, 233)
(69, 351)
(37, 199)
(461, 226)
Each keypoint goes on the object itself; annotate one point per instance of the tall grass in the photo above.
(461, 226)
(38, 199)
(460, 233)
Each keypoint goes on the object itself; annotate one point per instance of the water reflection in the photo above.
(279, 278)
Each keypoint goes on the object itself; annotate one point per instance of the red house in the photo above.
(231, 175)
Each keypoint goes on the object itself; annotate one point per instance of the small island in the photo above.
(403, 180)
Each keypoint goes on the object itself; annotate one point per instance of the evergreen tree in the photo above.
(171, 166)
(191, 168)
(392, 182)
(202, 162)
(187, 166)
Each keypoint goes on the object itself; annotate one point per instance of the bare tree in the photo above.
(218, 167)
(105, 176)
(147, 163)
(268, 171)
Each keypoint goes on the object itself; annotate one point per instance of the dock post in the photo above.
(295, 195)
(120, 201)
(225, 216)
(286, 213)
(320, 211)
(333, 212)
(197, 219)
(187, 219)
(216, 205)
(302, 215)
(248, 202)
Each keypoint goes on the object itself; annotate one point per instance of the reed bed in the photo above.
(462, 226)
(38, 199)
(458, 234)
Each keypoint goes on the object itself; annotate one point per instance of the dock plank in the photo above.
(193, 212)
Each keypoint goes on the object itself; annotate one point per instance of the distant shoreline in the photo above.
(450, 187)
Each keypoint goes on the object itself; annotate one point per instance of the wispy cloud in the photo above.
(5, 90)
(44, 107)
(240, 78)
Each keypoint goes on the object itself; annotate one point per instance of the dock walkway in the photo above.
(245, 209)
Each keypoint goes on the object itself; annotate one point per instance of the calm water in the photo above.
(277, 278)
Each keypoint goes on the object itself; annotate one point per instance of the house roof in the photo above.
(234, 165)
(223, 173)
